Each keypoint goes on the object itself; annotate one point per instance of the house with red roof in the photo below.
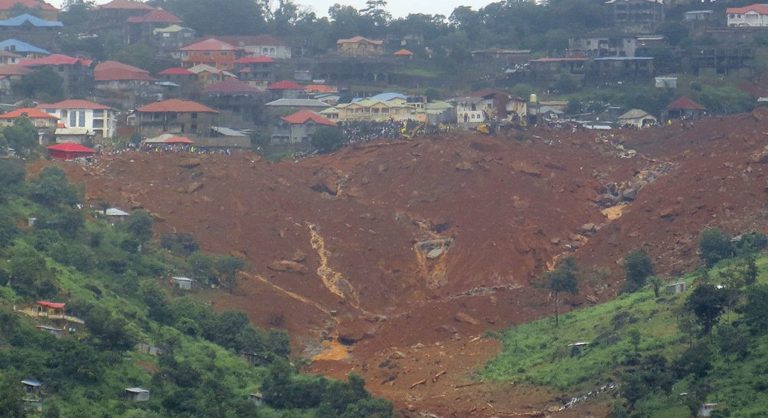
(44, 122)
(211, 51)
(80, 119)
(683, 108)
(257, 70)
(175, 116)
(286, 89)
(752, 16)
(298, 128)
(116, 76)
(238, 100)
(39, 118)
(140, 29)
(359, 46)
(260, 45)
(76, 73)
(42, 9)
(112, 17)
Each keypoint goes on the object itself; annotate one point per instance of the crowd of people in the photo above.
(365, 131)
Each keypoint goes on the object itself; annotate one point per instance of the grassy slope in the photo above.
(538, 353)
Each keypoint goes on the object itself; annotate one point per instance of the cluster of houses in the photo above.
(723, 43)
(221, 91)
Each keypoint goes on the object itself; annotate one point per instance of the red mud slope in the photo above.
(408, 251)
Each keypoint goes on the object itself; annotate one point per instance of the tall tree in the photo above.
(562, 280)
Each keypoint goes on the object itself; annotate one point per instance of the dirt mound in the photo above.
(380, 248)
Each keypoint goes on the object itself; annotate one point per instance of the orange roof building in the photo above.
(307, 116)
(40, 119)
(175, 116)
(42, 9)
(114, 71)
(213, 52)
(359, 46)
(298, 128)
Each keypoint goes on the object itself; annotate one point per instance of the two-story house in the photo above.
(260, 45)
(752, 16)
(44, 122)
(258, 71)
(175, 116)
(298, 127)
(359, 46)
(76, 73)
(83, 117)
(213, 52)
(171, 38)
(116, 76)
(140, 29)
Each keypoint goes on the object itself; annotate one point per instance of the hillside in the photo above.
(649, 350)
(90, 316)
(428, 244)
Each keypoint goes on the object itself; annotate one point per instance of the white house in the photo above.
(472, 110)
(755, 15)
(99, 120)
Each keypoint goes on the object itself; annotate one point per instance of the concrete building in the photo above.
(755, 15)
(298, 127)
(93, 119)
(175, 116)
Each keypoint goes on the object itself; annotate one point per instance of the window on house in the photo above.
(72, 119)
(81, 117)
(194, 115)
(98, 113)
(98, 124)
(193, 127)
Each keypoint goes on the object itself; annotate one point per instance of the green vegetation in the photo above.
(638, 268)
(121, 308)
(708, 342)
(327, 139)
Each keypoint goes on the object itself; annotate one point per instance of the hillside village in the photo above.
(225, 208)
(271, 93)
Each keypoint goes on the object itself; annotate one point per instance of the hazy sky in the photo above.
(398, 8)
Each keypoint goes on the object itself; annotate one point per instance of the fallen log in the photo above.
(420, 382)
(437, 376)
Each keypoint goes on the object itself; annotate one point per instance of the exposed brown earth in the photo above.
(393, 259)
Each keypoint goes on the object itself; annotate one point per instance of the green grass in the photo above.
(537, 353)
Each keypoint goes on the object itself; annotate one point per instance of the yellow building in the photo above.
(359, 46)
(375, 109)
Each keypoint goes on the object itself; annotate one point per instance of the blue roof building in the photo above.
(27, 19)
(21, 47)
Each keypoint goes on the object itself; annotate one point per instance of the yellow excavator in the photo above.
(412, 129)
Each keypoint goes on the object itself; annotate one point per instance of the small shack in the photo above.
(137, 394)
(70, 151)
(183, 283)
(49, 309)
(676, 288)
(706, 409)
(636, 118)
(578, 347)
(684, 109)
(257, 398)
(33, 399)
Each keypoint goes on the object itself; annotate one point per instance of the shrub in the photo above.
(714, 246)
(327, 139)
(638, 267)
